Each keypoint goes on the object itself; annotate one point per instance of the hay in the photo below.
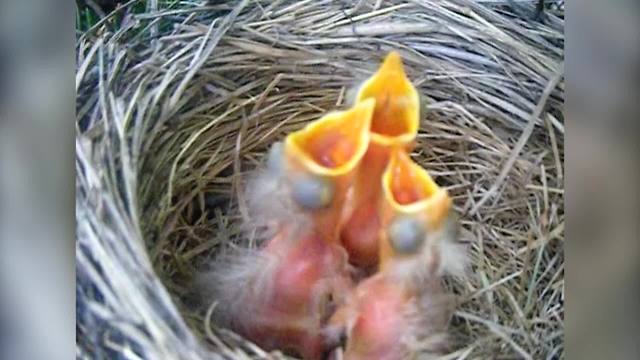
(175, 106)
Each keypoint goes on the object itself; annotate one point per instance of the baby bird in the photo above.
(281, 296)
(394, 125)
(403, 309)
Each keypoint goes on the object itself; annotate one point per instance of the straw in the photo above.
(175, 107)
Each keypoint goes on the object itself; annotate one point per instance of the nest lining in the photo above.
(174, 109)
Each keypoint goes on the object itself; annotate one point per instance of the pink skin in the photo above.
(393, 126)
(360, 232)
(360, 237)
(310, 273)
(376, 315)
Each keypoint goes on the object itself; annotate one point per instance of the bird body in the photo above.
(404, 301)
(309, 273)
(285, 300)
(338, 194)
(394, 125)
(373, 320)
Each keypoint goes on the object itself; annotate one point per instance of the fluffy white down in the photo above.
(270, 205)
(237, 282)
(443, 255)
(240, 279)
(429, 317)
(454, 259)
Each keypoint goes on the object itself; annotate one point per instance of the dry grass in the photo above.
(174, 107)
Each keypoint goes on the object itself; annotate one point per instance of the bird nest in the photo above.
(175, 107)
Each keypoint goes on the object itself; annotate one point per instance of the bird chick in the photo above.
(282, 296)
(394, 125)
(403, 309)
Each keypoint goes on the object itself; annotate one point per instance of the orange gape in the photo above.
(409, 191)
(394, 125)
(331, 148)
(344, 190)
(311, 270)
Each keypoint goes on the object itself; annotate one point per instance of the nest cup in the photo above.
(176, 107)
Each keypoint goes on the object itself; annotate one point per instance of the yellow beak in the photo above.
(397, 113)
(322, 158)
(410, 197)
(394, 125)
(334, 144)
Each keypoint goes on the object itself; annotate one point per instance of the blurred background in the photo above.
(36, 179)
(37, 175)
(602, 182)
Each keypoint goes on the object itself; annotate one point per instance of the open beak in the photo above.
(394, 125)
(413, 206)
(374, 318)
(397, 113)
(310, 273)
(322, 158)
